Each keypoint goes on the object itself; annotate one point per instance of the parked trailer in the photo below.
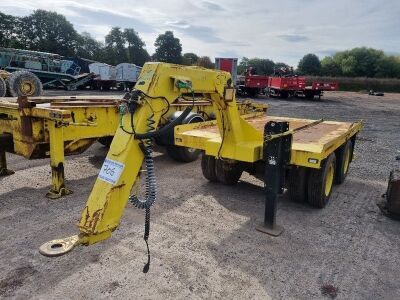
(53, 127)
(316, 90)
(105, 76)
(127, 75)
(285, 87)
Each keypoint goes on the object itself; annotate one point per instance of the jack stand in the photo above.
(60, 246)
(276, 157)
(3, 165)
(55, 195)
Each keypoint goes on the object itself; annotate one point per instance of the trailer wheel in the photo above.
(284, 94)
(24, 83)
(208, 167)
(297, 184)
(228, 172)
(183, 154)
(309, 95)
(343, 162)
(320, 182)
(3, 87)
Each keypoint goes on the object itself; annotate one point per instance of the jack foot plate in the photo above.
(60, 246)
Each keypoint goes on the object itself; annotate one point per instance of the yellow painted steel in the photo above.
(306, 153)
(58, 126)
(329, 179)
(232, 137)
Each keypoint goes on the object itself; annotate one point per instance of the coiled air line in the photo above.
(146, 145)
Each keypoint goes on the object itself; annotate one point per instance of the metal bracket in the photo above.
(60, 246)
(62, 192)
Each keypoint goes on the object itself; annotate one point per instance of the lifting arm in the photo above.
(158, 84)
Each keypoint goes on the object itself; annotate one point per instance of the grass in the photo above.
(360, 83)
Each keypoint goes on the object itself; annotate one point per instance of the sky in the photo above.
(283, 30)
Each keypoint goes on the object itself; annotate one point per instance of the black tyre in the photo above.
(208, 167)
(284, 95)
(183, 154)
(3, 88)
(297, 184)
(106, 140)
(228, 172)
(320, 182)
(309, 95)
(24, 83)
(343, 155)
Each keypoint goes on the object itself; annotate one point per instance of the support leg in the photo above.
(58, 188)
(3, 165)
(276, 156)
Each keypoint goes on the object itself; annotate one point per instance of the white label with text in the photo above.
(111, 171)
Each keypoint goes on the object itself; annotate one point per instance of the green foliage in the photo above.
(260, 66)
(360, 84)
(330, 67)
(47, 31)
(309, 65)
(51, 32)
(361, 62)
(8, 26)
(88, 47)
(189, 59)
(168, 48)
(205, 62)
(137, 54)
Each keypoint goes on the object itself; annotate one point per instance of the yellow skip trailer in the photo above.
(308, 155)
(53, 127)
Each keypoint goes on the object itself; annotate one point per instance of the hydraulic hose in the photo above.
(157, 133)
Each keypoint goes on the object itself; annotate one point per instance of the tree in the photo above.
(309, 65)
(9, 26)
(115, 51)
(330, 67)
(205, 62)
(168, 48)
(136, 52)
(189, 59)
(260, 66)
(348, 66)
(49, 32)
(88, 47)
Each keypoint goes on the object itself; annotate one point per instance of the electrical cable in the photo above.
(146, 147)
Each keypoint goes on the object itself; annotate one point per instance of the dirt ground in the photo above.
(203, 239)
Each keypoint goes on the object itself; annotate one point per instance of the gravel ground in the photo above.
(203, 239)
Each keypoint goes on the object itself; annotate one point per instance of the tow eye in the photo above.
(60, 246)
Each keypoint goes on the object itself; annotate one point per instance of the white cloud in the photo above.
(282, 31)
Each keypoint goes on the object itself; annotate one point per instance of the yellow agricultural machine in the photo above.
(19, 83)
(309, 155)
(53, 127)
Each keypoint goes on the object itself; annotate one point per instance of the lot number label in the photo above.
(111, 171)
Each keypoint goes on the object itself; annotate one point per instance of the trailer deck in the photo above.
(313, 140)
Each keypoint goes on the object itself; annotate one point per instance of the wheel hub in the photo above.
(27, 88)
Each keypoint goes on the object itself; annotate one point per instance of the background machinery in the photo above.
(20, 83)
(306, 156)
(53, 70)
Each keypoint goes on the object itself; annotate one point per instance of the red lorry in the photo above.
(283, 83)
